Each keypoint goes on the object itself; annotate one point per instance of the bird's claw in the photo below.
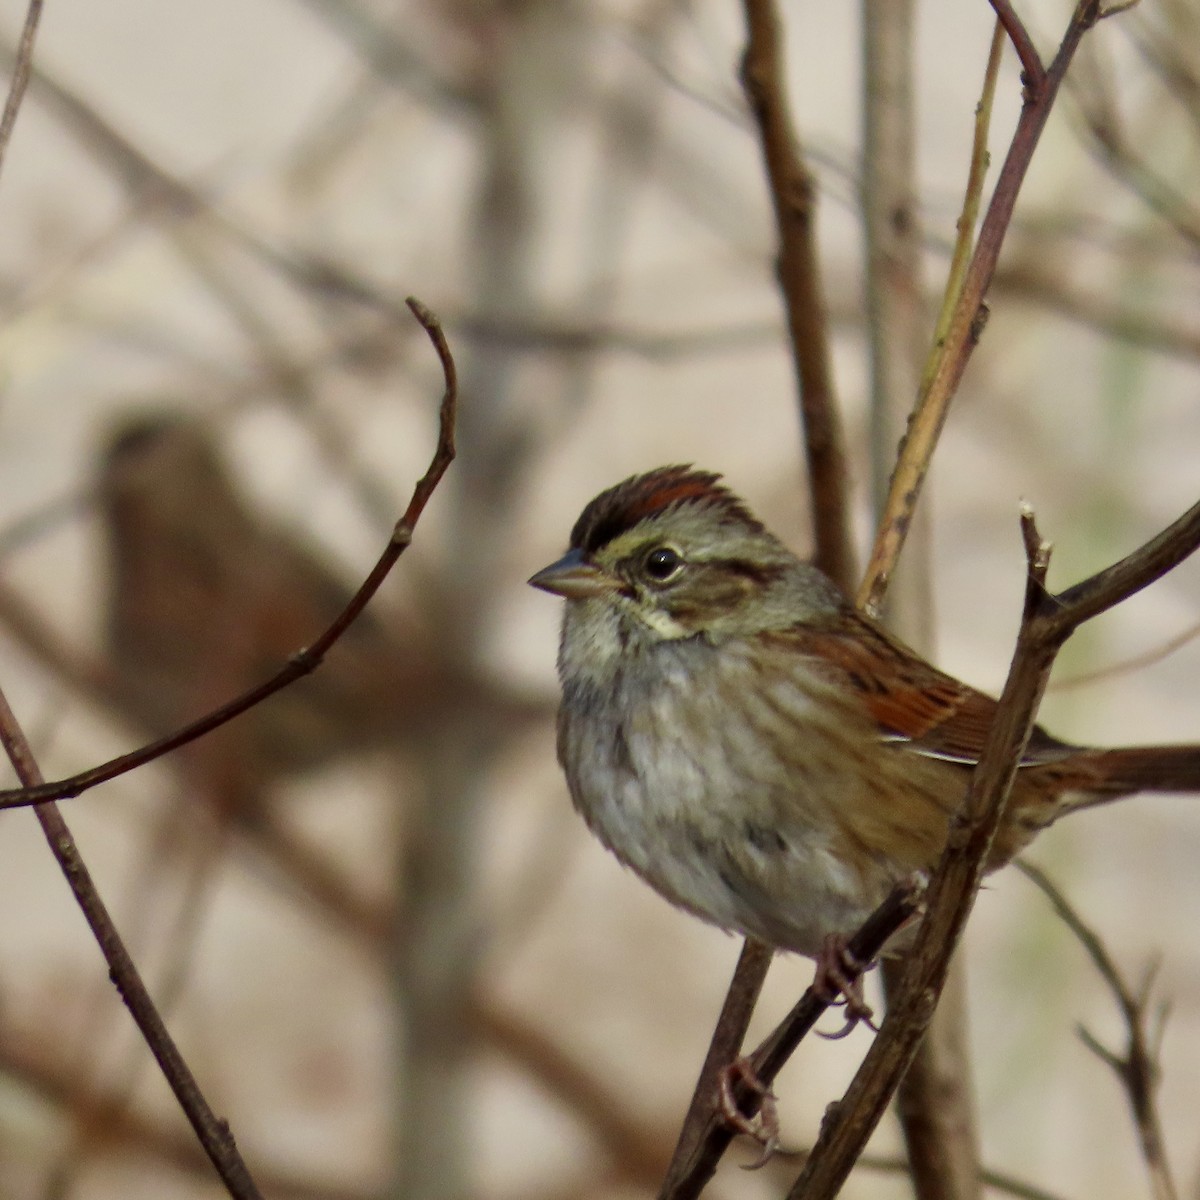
(838, 980)
(763, 1127)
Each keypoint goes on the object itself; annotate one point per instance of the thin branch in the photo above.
(637, 1150)
(1138, 1068)
(997, 1181)
(1047, 622)
(693, 1166)
(1033, 73)
(305, 661)
(1127, 666)
(952, 356)
(793, 192)
(212, 1132)
(964, 233)
(702, 1136)
(22, 66)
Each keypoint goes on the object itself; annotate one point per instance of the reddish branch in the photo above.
(1033, 73)
(969, 313)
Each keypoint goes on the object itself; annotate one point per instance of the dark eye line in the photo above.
(756, 572)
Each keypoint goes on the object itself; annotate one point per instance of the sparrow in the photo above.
(761, 753)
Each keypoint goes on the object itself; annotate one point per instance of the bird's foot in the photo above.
(763, 1127)
(838, 980)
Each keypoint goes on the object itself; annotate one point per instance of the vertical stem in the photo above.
(793, 193)
(935, 1103)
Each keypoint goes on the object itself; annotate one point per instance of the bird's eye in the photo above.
(662, 563)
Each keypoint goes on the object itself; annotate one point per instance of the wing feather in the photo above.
(909, 699)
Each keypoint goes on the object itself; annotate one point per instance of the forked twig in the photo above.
(964, 327)
(1048, 621)
(695, 1162)
(1033, 73)
(1137, 1069)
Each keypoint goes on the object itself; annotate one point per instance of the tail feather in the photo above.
(1105, 775)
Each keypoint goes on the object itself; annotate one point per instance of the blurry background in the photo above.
(390, 951)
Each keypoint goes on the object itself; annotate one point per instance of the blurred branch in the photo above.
(1129, 168)
(105, 1120)
(793, 193)
(1048, 620)
(638, 1153)
(935, 1102)
(306, 660)
(1127, 666)
(1138, 1070)
(1169, 332)
(20, 75)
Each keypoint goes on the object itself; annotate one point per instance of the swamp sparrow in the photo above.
(762, 754)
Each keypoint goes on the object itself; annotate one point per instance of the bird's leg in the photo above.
(764, 1126)
(838, 979)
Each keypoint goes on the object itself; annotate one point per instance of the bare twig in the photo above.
(1126, 666)
(964, 234)
(935, 1103)
(702, 1137)
(1047, 622)
(952, 357)
(20, 76)
(1033, 73)
(1138, 1068)
(213, 1133)
(693, 1166)
(793, 193)
(306, 660)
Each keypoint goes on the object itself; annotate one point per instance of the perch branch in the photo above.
(1047, 622)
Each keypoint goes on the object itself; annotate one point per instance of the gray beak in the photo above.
(574, 578)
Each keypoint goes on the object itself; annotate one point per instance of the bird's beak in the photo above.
(574, 578)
